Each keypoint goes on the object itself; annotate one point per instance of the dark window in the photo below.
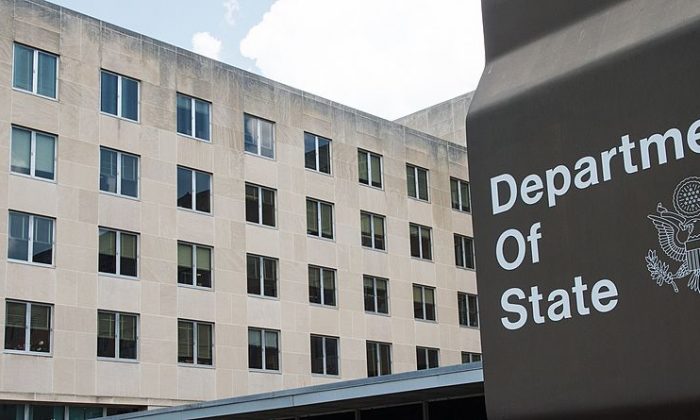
(420, 241)
(321, 285)
(468, 357)
(317, 153)
(194, 264)
(262, 275)
(376, 294)
(369, 168)
(263, 349)
(324, 355)
(378, 358)
(460, 194)
(372, 227)
(426, 358)
(464, 251)
(468, 310)
(30, 238)
(195, 342)
(417, 182)
(423, 302)
(27, 327)
(119, 172)
(34, 71)
(33, 153)
(319, 218)
(193, 117)
(260, 205)
(193, 190)
(119, 95)
(117, 335)
(259, 136)
(118, 252)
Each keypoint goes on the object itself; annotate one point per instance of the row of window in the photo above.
(59, 412)
(28, 328)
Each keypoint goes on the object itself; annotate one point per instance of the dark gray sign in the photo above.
(584, 153)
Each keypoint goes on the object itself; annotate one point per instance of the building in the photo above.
(179, 230)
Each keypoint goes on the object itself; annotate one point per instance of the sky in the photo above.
(386, 57)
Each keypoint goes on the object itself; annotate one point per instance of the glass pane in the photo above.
(418, 303)
(271, 351)
(327, 221)
(425, 244)
(23, 68)
(267, 140)
(432, 358)
(44, 160)
(382, 297)
(184, 264)
(422, 184)
(464, 188)
(462, 307)
(331, 356)
(372, 360)
(366, 228)
(421, 362)
(251, 134)
(385, 359)
(18, 246)
(21, 150)
(459, 252)
(43, 240)
(369, 294)
(204, 344)
(473, 311)
(108, 252)
(329, 287)
(128, 253)
(106, 334)
(311, 217)
(184, 188)
(469, 252)
(310, 151)
(415, 241)
(324, 155)
(130, 99)
(376, 167)
(46, 78)
(411, 181)
(465, 357)
(363, 170)
(84, 413)
(252, 211)
(317, 355)
(108, 170)
(454, 192)
(378, 232)
(476, 357)
(127, 336)
(268, 207)
(108, 93)
(203, 267)
(40, 329)
(201, 120)
(429, 304)
(314, 285)
(184, 115)
(130, 175)
(270, 279)
(16, 318)
(185, 342)
(253, 274)
(255, 349)
(46, 412)
(203, 199)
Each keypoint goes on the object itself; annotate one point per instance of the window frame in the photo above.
(426, 353)
(118, 251)
(317, 155)
(462, 241)
(464, 297)
(417, 168)
(28, 328)
(420, 241)
(319, 219)
(30, 239)
(372, 216)
(368, 158)
(193, 117)
(117, 336)
(261, 278)
(119, 172)
(32, 154)
(260, 189)
(322, 284)
(423, 288)
(374, 295)
(378, 368)
(471, 356)
(195, 344)
(193, 190)
(35, 71)
(263, 346)
(324, 338)
(460, 199)
(258, 130)
(120, 77)
(194, 247)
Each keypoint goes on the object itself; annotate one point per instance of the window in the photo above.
(263, 349)
(193, 190)
(117, 335)
(260, 205)
(464, 251)
(27, 327)
(194, 264)
(468, 357)
(426, 358)
(193, 117)
(35, 71)
(378, 358)
(259, 136)
(468, 310)
(423, 302)
(420, 241)
(372, 226)
(262, 275)
(119, 173)
(31, 238)
(369, 168)
(119, 95)
(317, 153)
(319, 218)
(321, 285)
(376, 294)
(417, 182)
(118, 252)
(460, 194)
(195, 342)
(33, 153)
(324, 355)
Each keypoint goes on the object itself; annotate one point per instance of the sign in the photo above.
(584, 153)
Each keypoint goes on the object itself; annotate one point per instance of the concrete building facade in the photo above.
(119, 290)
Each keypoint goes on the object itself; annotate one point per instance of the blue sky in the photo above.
(386, 57)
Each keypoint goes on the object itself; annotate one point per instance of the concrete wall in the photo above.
(446, 120)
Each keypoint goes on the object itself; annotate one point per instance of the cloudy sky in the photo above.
(385, 57)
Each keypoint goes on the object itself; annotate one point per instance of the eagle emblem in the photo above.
(679, 237)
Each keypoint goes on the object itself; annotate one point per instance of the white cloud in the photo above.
(204, 43)
(232, 7)
(385, 57)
